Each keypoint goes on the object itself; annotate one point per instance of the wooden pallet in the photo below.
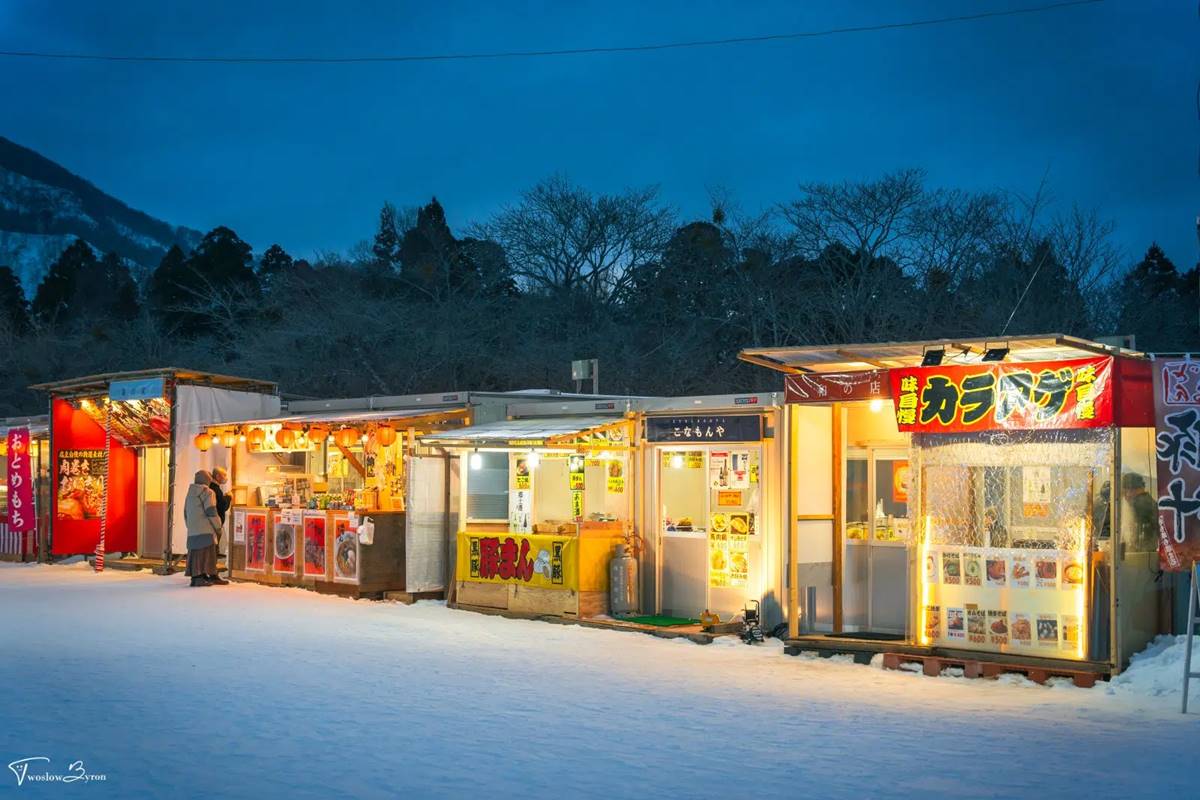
(933, 666)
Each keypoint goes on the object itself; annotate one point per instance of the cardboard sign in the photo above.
(1177, 443)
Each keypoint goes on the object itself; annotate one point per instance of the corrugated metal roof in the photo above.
(342, 417)
(98, 384)
(531, 429)
(884, 355)
(39, 427)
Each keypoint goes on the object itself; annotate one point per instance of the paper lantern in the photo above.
(202, 442)
(228, 439)
(256, 436)
(346, 437)
(285, 437)
(385, 435)
(318, 433)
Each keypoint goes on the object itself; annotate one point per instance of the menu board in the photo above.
(314, 545)
(728, 549)
(1005, 599)
(256, 541)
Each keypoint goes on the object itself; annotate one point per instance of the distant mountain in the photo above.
(44, 207)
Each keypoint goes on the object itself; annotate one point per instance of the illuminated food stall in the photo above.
(973, 498)
(710, 479)
(544, 502)
(344, 502)
(24, 493)
(121, 459)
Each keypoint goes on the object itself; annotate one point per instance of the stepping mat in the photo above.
(659, 621)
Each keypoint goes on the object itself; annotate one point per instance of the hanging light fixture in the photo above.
(346, 436)
(476, 460)
(385, 435)
(285, 437)
(228, 439)
(533, 459)
(677, 461)
(202, 441)
(256, 436)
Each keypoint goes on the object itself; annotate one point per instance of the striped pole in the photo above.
(104, 499)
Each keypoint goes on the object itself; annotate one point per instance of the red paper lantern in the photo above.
(256, 436)
(346, 437)
(318, 433)
(385, 435)
(202, 441)
(228, 439)
(285, 437)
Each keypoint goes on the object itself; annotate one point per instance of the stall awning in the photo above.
(887, 355)
(401, 416)
(98, 384)
(39, 427)
(538, 432)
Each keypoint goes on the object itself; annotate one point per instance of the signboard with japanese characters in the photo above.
(836, 387)
(721, 428)
(538, 560)
(1004, 396)
(1177, 443)
(20, 515)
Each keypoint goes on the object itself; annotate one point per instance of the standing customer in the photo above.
(223, 501)
(203, 529)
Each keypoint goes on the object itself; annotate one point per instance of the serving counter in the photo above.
(319, 549)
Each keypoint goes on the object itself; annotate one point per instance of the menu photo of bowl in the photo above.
(1046, 570)
(951, 568)
(997, 626)
(1047, 630)
(997, 572)
(931, 568)
(955, 623)
(1021, 629)
(1072, 574)
(972, 570)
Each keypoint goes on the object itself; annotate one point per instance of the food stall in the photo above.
(543, 503)
(24, 493)
(343, 502)
(121, 457)
(972, 498)
(710, 482)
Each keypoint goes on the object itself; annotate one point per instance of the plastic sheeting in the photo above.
(425, 544)
(195, 408)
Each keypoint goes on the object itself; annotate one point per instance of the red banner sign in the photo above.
(20, 515)
(998, 396)
(1177, 442)
(835, 387)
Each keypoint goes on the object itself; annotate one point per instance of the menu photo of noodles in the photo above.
(972, 570)
(976, 625)
(955, 623)
(345, 551)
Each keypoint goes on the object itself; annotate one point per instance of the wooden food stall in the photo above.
(544, 502)
(346, 503)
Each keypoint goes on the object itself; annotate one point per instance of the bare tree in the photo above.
(561, 239)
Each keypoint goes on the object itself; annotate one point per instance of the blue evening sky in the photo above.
(1101, 97)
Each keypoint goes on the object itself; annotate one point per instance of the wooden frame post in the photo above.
(837, 517)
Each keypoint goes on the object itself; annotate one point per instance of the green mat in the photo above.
(660, 622)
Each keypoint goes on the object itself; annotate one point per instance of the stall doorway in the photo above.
(152, 494)
(875, 571)
(709, 523)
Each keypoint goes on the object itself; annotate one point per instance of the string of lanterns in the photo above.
(292, 437)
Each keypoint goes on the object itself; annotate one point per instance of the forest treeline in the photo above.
(564, 273)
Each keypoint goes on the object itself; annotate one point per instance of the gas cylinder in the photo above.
(623, 581)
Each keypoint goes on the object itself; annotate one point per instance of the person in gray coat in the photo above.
(204, 531)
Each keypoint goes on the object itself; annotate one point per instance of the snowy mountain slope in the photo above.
(44, 207)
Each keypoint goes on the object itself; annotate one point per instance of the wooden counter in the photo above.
(320, 552)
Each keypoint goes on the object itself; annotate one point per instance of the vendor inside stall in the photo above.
(320, 500)
(544, 502)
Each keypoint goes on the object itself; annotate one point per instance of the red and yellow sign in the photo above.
(541, 560)
(999, 396)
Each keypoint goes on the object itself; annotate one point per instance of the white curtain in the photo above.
(195, 408)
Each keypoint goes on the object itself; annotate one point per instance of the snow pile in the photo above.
(1157, 671)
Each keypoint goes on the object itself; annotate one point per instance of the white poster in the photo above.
(1035, 491)
(239, 526)
(293, 516)
(718, 470)
(520, 517)
(739, 469)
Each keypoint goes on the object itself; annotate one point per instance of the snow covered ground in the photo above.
(249, 691)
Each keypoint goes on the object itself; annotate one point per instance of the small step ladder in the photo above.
(1193, 609)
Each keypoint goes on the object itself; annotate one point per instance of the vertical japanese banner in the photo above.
(20, 516)
(314, 545)
(1177, 443)
(256, 542)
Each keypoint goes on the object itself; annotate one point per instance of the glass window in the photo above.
(487, 487)
(857, 521)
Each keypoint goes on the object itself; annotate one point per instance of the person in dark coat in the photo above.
(219, 478)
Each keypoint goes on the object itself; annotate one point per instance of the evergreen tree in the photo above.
(163, 293)
(106, 291)
(14, 308)
(57, 292)
(194, 294)
(1155, 306)
(386, 246)
(275, 261)
(432, 261)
